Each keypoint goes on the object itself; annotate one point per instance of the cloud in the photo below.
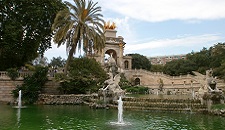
(123, 28)
(187, 41)
(163, 10)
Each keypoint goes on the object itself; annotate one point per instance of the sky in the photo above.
(162, 27)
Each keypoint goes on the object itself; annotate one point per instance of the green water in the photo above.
(84, 118)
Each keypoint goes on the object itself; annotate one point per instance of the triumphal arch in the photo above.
(114, 46)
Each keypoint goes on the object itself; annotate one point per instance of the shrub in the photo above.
(32, 85)
(12, 73)
(137, 89)
(85, 74)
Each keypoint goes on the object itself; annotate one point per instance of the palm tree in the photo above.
(76, 25)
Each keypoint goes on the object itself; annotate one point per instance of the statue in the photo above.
(211, 82)
(208, 89)
(207, 82)
(161, 84)
(109, 26)
(111, 85)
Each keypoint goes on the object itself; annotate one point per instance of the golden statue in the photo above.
(109, 26)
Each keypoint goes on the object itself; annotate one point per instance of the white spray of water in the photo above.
(19, 100)
(120, 110)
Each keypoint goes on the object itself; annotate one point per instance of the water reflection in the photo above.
(18, 117)
(82, 117)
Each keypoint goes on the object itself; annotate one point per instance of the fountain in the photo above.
(19, 104)
(120, 110)
(19, 100)
(120, 121)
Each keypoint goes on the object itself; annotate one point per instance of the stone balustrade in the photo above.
(3, 74)
(142, 71)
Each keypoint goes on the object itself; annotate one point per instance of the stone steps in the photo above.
(179, 105)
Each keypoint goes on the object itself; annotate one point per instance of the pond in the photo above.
(76, 117)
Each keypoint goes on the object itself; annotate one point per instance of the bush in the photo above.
(12, 73)
(137, 89)
(85, 75)
(32, 85)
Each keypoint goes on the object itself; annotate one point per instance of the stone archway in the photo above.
(137, 81)
(108, 54)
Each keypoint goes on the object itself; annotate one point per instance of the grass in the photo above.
(218, 106)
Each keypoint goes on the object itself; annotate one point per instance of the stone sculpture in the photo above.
(111, 86)
(208, 90)
(211, 82)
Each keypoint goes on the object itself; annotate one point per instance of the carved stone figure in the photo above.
(211, 82)
(111, 85)
(208, 89)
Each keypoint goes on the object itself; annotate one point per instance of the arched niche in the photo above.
(137, 81)
(126, 64)
(108, 54)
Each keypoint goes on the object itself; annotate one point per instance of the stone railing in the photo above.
(141, 71)
(4, 75)
(114, 40)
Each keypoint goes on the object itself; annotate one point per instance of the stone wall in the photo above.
(7, 85)
(178, 105)
(183, 84)
(71, 99)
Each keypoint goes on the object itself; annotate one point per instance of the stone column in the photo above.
(120, 56)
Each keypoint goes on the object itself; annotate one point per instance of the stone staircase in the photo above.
(178, 105)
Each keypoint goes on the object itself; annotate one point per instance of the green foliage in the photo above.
(25, 30)
(210, 58)
(124, 83)
(12, 73)
(77, 25)
(84, 75)
(137, 89)
(179, 67)
(32, 85)
(157, 68)
(140, 62)
(59, 62)
(218, 106)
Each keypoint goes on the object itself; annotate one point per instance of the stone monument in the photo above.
(208, 90)
(111, 89)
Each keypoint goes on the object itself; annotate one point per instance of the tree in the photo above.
(157, 68)
(76, 25)
(179, 67)
(209, 58)
(25, 30)
(59, 62)
(84, 74)
(32, 85)
(40, 61)
(202, 59)
(140, 62)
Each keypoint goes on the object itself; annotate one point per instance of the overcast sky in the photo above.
(162, 27)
